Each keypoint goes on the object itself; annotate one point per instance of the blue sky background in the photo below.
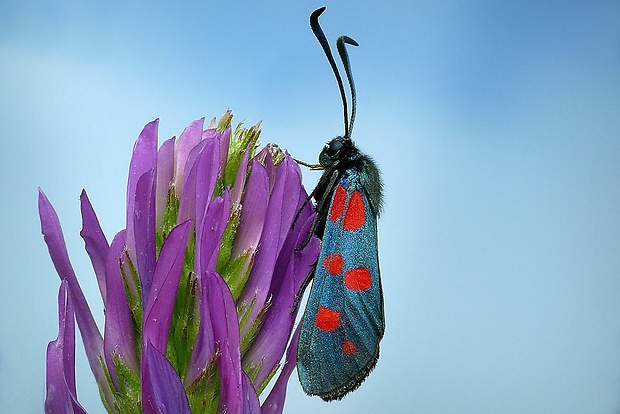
(497, 128)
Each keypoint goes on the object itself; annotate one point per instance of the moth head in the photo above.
(335, 150)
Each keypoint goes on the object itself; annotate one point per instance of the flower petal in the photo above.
(297, 236)
(240, 178)
(249, 229)
(211, 232)
(144, 231)
(270, 342)
(95, 242)
(143, 159)
(206, 177)
(93, 342)
(274, 403)
(255, 202)
(223, 139)
(266, 159)
(203, 351)
(190, 137)
(162, 390)
(280, 213)
(165, 175)
(158, 309)
(226, 334)
(290, 271)
(61, 395)
(307, 257)
(118, 337)
(251, 404)
(187, 199)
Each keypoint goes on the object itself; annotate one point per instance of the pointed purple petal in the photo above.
(251, 404)
(265, 158)
(95, 242)
(305, 260)
(226, 333)
(158, 310)
(275, 400)
(210, 132)
(203, 351)
(254, 208)
(291, 270)
(280, 213)
(211, 232)
(118, 337)
(255, 202)
(144, 231)
(270, 342)
(206, 177)
(93, 342)
(224, 144)
(190, 137)
(187, 201)
(143, 159)
(165, 175)
(61, 396)
(162, 390)
(240, 178)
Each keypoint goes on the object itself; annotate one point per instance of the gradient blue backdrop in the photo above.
(497, 127)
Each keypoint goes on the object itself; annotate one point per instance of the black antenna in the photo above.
(344, 56)
(320, 36)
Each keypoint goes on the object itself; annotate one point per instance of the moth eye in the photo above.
(335, 146)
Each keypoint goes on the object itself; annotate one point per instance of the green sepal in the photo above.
(108, 379)
(240, 140)
(133, 292)
(277, 154)
(236, 272)
(224, 122)
(244, 313)
(262, 387)
(129, 395)
(228, 238)
(252, 372)
(185, 322)
(169, 219)
(203, 394)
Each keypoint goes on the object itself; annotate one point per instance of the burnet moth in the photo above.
(344, 321)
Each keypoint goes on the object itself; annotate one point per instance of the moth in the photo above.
(344, 318)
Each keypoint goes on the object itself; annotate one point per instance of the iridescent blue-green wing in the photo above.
(344, 321)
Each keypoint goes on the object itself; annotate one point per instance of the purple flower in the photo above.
(198, 289)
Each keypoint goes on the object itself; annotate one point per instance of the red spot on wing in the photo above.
(333, 263)
(327, 319)
(355, 216)
(340, 196)
(358, 278)
(349, 348)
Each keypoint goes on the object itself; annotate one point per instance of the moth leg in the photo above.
(302, 207)
(331, 183)
(311, 195)
(302, 289)
(332, 179)
(307, 164)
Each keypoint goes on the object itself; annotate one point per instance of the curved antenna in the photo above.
(320, 36)
(344, 56)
